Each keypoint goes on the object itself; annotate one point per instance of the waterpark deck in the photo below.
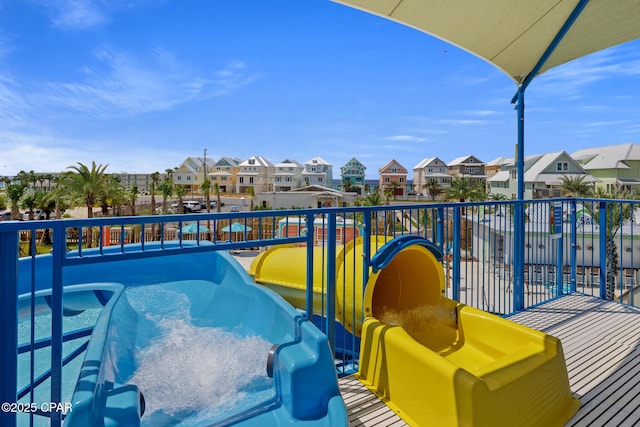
(600, 340)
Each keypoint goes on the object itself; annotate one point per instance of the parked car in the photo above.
(212, 203)
(37, 214)
(5, 215)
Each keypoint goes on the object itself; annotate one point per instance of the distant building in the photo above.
(543, 174)
(287, 175)
(394, 176)
(468, 167)
(256, 172)
(353, 176)
(317, 171)
(311, 196)
(431, 169)
(613, 165)
(224, 173)
(191, 173)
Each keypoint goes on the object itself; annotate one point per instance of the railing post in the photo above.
(331, 280)
(456, 254)
(518, 256)
(9, 251)
(439, 224)
(310, 245)
(603, 249)
(366, 250)
(58, 254)
(574, 245)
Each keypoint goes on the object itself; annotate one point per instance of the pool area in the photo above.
(170, 331)
(214, 351)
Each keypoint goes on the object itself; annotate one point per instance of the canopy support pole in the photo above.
(518, 100)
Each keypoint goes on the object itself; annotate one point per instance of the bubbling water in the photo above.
(422, 323)
(196, 374)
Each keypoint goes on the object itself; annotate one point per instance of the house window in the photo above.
(387, 179)
(319, 179)
(242, 180)
(401, 179)
(250, 180)
(562, 166)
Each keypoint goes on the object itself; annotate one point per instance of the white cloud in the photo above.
(47, 153)
(76, 14)
(571, 78)
(465, 122)
(123, 84)
(408, 138)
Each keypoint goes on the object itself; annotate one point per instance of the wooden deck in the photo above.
(601, 343)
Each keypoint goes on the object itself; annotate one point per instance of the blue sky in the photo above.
(143, 84)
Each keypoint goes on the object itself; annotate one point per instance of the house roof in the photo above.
(391, 163)
(257, 161)
(317, 161)
(539, 169)
(316, 189)
(500, 161)
(501, 176)
(464, 160)
(428, 161)
(288, 163)
(608, 157)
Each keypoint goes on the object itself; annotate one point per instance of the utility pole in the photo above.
(204, 165)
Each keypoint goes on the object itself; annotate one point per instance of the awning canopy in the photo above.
(514, 34)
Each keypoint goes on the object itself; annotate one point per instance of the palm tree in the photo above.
(166, 189)
(87, 185)
(216, 191)
(155, 179)
(393, 186)
(206, 189)
(15, 193)
(252, 195)
(60, 195)
(463, 189)
(433, 188)
(574, 186)
(29, 203)
(133, 196)
(180, 191)
(112, 195)
(617, 213)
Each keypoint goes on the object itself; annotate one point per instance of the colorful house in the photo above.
(317, 171)
(287, 175)
(394, 176)
(429, 170)
(353, 176)
(224, 173)
(256, 172)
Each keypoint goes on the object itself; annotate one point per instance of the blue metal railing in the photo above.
(593, 253)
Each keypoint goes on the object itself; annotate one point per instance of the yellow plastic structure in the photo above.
(434, 361)
(459, 365)
(283, 268)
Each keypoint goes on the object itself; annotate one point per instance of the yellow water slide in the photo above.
(432, 360)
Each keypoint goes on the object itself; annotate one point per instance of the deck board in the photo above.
(601, 343)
